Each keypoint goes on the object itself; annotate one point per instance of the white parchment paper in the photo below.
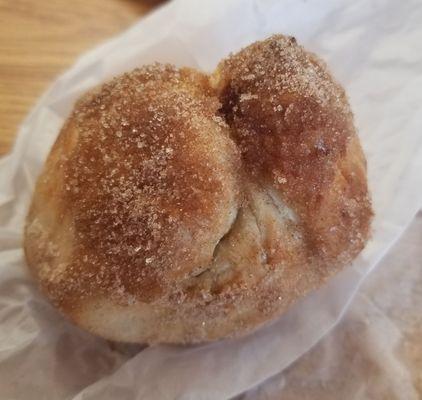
(373, 47)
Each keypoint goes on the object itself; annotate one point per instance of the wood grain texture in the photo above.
(39, 39)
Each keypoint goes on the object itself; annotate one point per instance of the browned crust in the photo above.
(175, 210)
(293, 125)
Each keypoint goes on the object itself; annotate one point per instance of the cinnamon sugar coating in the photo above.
(178, 207)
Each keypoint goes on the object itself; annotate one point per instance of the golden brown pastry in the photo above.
(177, 207)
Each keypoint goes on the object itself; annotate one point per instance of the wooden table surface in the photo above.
(39, 39)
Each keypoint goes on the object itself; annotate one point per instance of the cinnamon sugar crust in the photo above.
(179, 207)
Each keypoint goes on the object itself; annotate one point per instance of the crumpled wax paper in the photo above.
(373, 47)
